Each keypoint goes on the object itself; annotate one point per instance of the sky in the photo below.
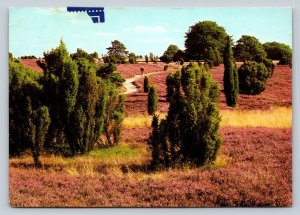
(32, 31)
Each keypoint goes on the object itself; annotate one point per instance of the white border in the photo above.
(5, 4)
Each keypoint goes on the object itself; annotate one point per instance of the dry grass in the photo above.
(139, 121)
(97, 161)
(274, 118)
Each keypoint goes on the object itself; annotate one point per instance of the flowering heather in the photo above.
(253, 169)
(277, 94)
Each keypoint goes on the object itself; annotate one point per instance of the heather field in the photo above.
(254, 166)
(253, 169)
(278, 92)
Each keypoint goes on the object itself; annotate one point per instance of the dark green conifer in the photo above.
(230, 80)
(152, 101)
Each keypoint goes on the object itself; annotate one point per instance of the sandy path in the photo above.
(130, 87)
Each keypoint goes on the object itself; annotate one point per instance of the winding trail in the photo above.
(130, 87)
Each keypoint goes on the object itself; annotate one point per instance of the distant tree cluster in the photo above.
(151, 58)
(132, 58)
(279, 51)
(168, 55)
(190, 132)
(249, 48)
(173, 54)
(205, 41)
(80, 53)
(257, 68)
(67, 108)
(28, 57)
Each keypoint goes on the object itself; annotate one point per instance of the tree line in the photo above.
(206, 41)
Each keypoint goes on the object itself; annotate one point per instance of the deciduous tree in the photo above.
(205, 41)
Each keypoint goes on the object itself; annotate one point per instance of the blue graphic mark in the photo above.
(96, 13)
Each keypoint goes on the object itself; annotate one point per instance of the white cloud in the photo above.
(146, 29)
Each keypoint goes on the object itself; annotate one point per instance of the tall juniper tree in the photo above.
(39, 128)
(146, 84)
(190, 132)
(231, 80)
(152, 101)
(61, 83)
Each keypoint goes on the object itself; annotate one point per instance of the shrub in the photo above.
(173, 84)
(116, 78)
(146, 84)
(114, 116)
(209, 63)
(166, 67)
(270, 65)
(181, 61)
(152, 101)
(24, 85)
(132, 58)
(38, 128)
(65, 109)
(231, 82)
(106, 69)
(142, 70)
(190, 132)
(253, 77)
(28, 118)
(154, 141)
(82, 54)
(114, 59)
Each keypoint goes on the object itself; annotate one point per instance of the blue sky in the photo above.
(35, 30)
